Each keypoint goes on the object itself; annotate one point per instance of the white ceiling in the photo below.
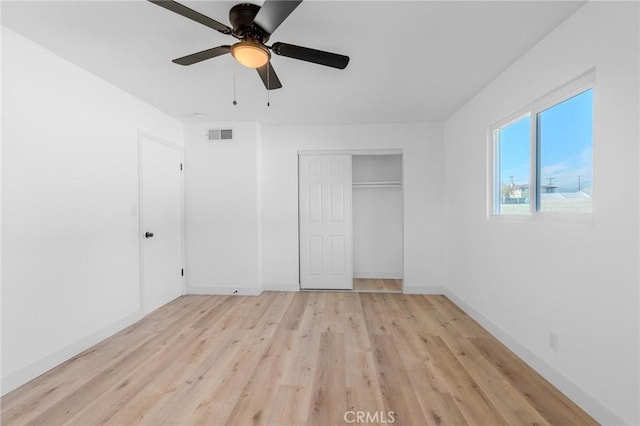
(410, 61)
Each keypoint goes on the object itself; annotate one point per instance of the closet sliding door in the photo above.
(325, 209)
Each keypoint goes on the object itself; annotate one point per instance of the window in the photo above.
(542, 160)
(565, 155)
(513, 171)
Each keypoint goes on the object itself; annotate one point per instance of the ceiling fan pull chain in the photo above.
(268, 86)
(234, 84)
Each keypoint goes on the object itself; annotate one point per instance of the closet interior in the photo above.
(377, 199)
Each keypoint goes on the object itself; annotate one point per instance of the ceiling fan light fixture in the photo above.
(250, 54)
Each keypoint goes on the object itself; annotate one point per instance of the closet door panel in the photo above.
(325, 207)
(315, 255)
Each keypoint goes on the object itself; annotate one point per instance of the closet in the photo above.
(351, 220)
(377, 221)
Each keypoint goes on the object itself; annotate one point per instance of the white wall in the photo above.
(524, 280)
(70, 256)
(222, 210)
(423, 217)
(377, 232)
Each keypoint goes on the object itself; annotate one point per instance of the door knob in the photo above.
(148, 234)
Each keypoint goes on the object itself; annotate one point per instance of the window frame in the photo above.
(567, 91)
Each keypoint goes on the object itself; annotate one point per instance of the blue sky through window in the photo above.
(565, 135)
(565, 132)
(515, 151)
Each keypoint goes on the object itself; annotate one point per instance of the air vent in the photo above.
(219, 135)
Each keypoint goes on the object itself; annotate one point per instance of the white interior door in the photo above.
(161, 222)
(326, 257)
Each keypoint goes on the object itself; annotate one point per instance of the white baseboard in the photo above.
(225, 291)
(29, 372)
(379, 275)
(603, 414)
(423, 290)
(281, 287)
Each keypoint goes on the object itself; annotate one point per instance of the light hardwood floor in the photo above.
(303, 358)
(377, 285)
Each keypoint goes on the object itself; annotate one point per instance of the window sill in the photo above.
(584, 220)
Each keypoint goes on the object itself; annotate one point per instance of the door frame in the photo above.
(352, 152)
(141, 225)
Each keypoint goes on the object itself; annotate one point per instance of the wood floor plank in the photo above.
(419, 313)
(466, 392)
(333, 318)
(372, 313)
(164, 345)
(505, 398)
(178, 400)
(93, 389)
(98, 371)
(213, 398)
(300, 358)
(306, 345)
(376, 285)
(452, 316)
(252, 407)
(235, 318)
(441, 409)
(393, 283)
(431, 391)
(55, 384)
(258, 309)
(556, 408)
(295, 311)
(142, 396)
(285, 409)
(212, 314)
(361, 377)
(393, 378)
(327, 406)
(305, 349)
(272, 317)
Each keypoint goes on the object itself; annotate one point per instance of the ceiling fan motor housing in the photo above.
(241, 17)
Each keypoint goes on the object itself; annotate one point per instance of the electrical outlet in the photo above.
(553, 341)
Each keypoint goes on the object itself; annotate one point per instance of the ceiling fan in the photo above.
(253, 25)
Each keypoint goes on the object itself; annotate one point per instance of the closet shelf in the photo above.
(384, 184)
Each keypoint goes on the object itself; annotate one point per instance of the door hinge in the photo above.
(180, 166)
(182, 272)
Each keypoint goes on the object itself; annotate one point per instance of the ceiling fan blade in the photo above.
(193, 15)
(202, 56)
(273, 13)
(311, 55)
(269, 76)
